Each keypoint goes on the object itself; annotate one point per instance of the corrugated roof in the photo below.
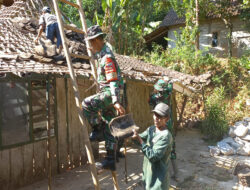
(17, 54)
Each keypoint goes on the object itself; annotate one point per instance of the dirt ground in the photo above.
(197, 169)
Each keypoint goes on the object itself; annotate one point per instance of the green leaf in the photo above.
(104, 5)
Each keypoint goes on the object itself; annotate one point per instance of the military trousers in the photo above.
(99, 110)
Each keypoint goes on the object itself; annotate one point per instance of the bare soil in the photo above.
(197, 169)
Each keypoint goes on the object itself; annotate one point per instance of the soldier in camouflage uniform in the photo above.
(162, 93)
(100, 108)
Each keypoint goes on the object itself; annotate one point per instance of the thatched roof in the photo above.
(18, 54)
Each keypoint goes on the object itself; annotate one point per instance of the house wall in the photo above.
(27, 163)
(241, 37)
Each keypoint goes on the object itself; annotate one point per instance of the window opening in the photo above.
(14, 110)
(215, 39)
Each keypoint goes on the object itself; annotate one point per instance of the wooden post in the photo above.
(48, 132)
(77, 99)
(174, 113)
(114, 177)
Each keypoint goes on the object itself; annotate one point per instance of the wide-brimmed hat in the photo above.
(94, 32)
(161, 109)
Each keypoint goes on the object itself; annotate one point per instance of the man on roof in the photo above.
(48, 22)
(101, 108)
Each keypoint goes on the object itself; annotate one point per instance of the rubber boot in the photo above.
(96, 134)
(108, 163)
(175, 170)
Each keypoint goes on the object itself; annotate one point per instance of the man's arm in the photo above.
(112, 78)
(41, 28)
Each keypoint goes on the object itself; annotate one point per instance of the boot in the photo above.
(108, 163)
(175, 170)
(96, 134)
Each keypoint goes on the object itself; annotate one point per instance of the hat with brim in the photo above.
(93, 32)
(161, 109)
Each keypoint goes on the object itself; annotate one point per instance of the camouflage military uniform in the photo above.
(162, 93)
(111, 87)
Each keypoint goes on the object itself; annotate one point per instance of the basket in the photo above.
(122, 127)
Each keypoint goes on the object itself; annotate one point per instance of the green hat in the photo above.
(161, 85)
(94, 32)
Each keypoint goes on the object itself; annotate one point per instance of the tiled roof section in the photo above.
(17, 54)
(134, 68)
(21, 8)
(172, 19)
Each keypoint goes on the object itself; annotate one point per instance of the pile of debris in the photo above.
(238, 141)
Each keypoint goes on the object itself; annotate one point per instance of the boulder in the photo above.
(240, 130)
(225, 148)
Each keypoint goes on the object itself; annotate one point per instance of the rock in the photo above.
(246, 137)
(231, 142)
(240, 130)
(241, 123)
(247, 119)
(214, 150)
(245, 150)
(86, 66)
(40, 50)
(47, 43)
(77, 65)
(51, 50)
(231, 131)
(225, 148)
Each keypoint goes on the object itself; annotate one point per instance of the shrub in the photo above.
(215, 124)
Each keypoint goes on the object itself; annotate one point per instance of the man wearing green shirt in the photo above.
(162, 93)
(100, 108)
(156, 144)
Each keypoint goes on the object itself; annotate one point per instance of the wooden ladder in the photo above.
(74, 82)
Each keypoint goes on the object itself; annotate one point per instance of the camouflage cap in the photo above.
(93, 32)
(161, 85)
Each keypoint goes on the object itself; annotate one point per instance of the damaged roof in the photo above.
(18, 52)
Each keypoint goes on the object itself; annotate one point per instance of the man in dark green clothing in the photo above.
(156, 144)
(162, 93)
(100, 108)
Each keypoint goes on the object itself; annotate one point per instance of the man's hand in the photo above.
(36, 40)
(119, 108)
(137, 137)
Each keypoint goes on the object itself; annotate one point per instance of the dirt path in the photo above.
(197, 169)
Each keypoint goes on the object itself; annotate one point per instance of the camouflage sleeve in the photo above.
(155, 98)
(112, 79)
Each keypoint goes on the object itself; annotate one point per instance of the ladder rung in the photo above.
(79, 56)
(69, 3)
(73, 28)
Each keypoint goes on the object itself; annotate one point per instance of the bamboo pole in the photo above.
(84, 27)
(77, 99)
